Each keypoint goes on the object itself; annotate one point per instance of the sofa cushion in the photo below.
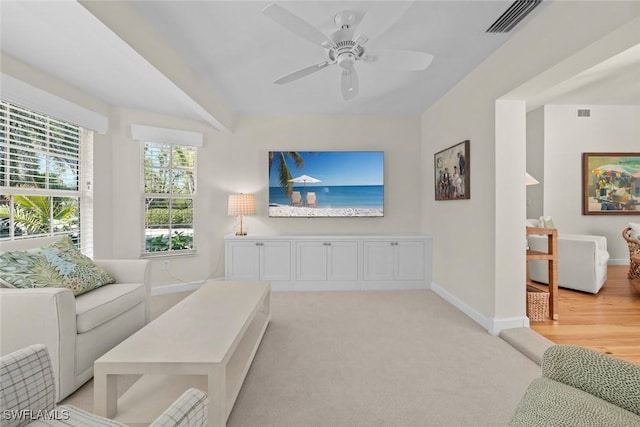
(552, 403)
(103, 304)
(58, 265)
(614, 380)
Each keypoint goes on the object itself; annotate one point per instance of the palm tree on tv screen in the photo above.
(284, 173)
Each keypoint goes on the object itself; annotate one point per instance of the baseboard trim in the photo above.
(176, 287)
(619, 262)
(498, 325)
(474, 314)
(493, 325)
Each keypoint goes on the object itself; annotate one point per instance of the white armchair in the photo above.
(75, 329)
(27, 393)
(582, 261)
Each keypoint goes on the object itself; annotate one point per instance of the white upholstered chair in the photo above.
(75, 329)
(582, 261)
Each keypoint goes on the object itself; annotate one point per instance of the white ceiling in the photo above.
(238, 52)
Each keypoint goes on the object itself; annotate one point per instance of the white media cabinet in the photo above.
(331, 262)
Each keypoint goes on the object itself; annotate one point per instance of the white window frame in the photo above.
(84, 192)
(167, 137)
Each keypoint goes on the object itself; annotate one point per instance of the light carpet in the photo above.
(374, 358)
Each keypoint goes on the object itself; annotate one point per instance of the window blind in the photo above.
(45, 177)
(38, 151)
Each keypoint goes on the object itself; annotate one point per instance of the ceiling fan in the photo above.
(346, 45)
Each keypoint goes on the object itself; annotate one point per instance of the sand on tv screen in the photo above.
(326, 184)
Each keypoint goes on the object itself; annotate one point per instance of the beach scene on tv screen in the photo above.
(326, 183)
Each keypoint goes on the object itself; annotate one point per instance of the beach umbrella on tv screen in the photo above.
(304, 179)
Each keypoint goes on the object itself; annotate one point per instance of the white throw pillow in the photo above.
(532, 222)
(635, 230)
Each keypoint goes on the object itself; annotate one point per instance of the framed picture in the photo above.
(452, 178)
(611, 183)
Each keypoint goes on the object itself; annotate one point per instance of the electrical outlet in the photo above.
(165, 265)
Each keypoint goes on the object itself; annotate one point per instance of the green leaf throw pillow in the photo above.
(547, 222)
(58, 265)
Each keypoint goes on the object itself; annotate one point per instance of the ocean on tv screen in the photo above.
(351, 196)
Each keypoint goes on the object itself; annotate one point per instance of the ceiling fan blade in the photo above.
(301, 73)
(349, 84)
(379, 19)
(296, 25)
(408, 60)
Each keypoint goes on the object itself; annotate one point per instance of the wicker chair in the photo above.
(634, 253)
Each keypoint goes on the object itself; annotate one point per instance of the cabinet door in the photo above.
(409, 261)
(275, 261)
(311, 260)
(343, 261)
(243, 261)
(378, 260)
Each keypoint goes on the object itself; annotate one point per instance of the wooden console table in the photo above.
(551, 256)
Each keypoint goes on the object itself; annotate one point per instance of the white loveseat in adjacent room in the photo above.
(582, 261)
(76, 329)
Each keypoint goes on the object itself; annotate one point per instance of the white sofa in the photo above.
(76, 330)
(582, 261)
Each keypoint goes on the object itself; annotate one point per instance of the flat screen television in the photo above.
(326, 184)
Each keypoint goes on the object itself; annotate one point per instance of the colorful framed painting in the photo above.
(611, 183)
(452, 177)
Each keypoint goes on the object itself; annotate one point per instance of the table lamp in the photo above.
(240, 205)
(529, 180)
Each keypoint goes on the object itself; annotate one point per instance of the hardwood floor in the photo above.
(608, 321)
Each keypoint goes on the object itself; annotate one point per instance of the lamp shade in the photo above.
(241, 204)
(529, 180)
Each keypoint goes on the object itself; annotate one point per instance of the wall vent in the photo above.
(584, 112)
(510, 18)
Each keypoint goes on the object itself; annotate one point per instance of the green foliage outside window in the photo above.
(169, 190)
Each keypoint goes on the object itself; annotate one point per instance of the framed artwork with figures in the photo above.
(452, 178)
(611, 183)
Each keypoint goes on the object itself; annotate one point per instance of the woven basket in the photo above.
(537, 304)
(634, 251)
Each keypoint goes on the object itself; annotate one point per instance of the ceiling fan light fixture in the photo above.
(344, 19)
(346, 60)
(344, 48)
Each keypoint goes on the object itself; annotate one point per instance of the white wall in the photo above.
(535, 162)
(566, 137)
(238, 162)
(467, 240)
(398, 137)
(118, 194)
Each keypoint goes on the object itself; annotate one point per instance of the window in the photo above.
(42, 164)
(169, 195)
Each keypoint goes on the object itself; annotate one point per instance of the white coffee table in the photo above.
(210, 337)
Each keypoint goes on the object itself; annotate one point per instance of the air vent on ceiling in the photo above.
(584, 113)
(516, 12)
